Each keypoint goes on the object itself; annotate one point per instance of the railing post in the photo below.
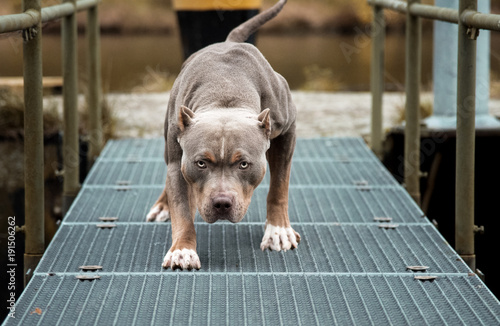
(94, 84)
(412, 113)
(33, 146)
(71, 158)
(377, 78)
(466, 107)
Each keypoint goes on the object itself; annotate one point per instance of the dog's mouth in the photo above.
(228, 205)
(212, 218)
(212, 214)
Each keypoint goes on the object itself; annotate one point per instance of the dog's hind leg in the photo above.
(279, 235)
(159, 212)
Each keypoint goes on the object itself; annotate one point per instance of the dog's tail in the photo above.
(242, 32)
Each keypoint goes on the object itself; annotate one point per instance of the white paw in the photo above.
(279, 238)
(157, 214)
(184, 259)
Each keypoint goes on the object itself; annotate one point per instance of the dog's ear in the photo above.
(186, 117)
(265, 121)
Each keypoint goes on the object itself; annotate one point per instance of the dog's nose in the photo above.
(222, 204)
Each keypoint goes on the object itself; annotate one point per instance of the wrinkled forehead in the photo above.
(225, 136)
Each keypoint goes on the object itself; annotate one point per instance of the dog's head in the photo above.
(223, 159)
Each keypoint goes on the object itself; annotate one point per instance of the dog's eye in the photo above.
(201, 164)
(244, 165)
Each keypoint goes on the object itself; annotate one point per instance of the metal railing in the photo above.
(469, 21)
(30, 23)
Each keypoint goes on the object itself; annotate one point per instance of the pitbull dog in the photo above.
(228, 111)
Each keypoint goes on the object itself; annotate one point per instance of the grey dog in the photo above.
(228, 112)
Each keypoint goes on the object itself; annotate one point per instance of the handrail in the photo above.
(435, 13)
(57, 12)
(82, 5)
(29, 18)
(469, 21)
(65, 9)
(30, 22)
(470, 18)
(479, 20)
(16, 22)
(398, 6)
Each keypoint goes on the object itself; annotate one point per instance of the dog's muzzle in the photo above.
(222, 206)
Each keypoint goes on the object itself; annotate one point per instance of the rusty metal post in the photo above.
(377, 78)
(466, 107)
(33, 144)
(94, 100)
(412, 113)
(71, 158)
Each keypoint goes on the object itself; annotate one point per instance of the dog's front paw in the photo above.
(279, 238)
(183, 259)
(159, 213)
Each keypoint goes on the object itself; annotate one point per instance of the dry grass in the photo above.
(155, 81)
(109, 120)
(11, 110)
(495, 86)
(426, 103)
(12, 115)
(426, 109)
(320, 79)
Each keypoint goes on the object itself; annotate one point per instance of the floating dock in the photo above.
(361, 235)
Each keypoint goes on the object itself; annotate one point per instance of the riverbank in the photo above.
(320, 114)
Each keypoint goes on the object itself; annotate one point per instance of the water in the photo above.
(125, 58)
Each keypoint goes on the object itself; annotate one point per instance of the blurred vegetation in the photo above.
(426, 103)
(494, 86)
(154, 81)
(12, 115)
(426, 109)
(109, 120)
(320, 79)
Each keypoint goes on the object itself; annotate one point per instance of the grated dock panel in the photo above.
(251, 299)
(324, 204)
(346, 271)
(304, 172)
(325, 248)
(342, 149)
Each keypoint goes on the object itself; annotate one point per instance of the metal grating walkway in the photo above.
(347, 269)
